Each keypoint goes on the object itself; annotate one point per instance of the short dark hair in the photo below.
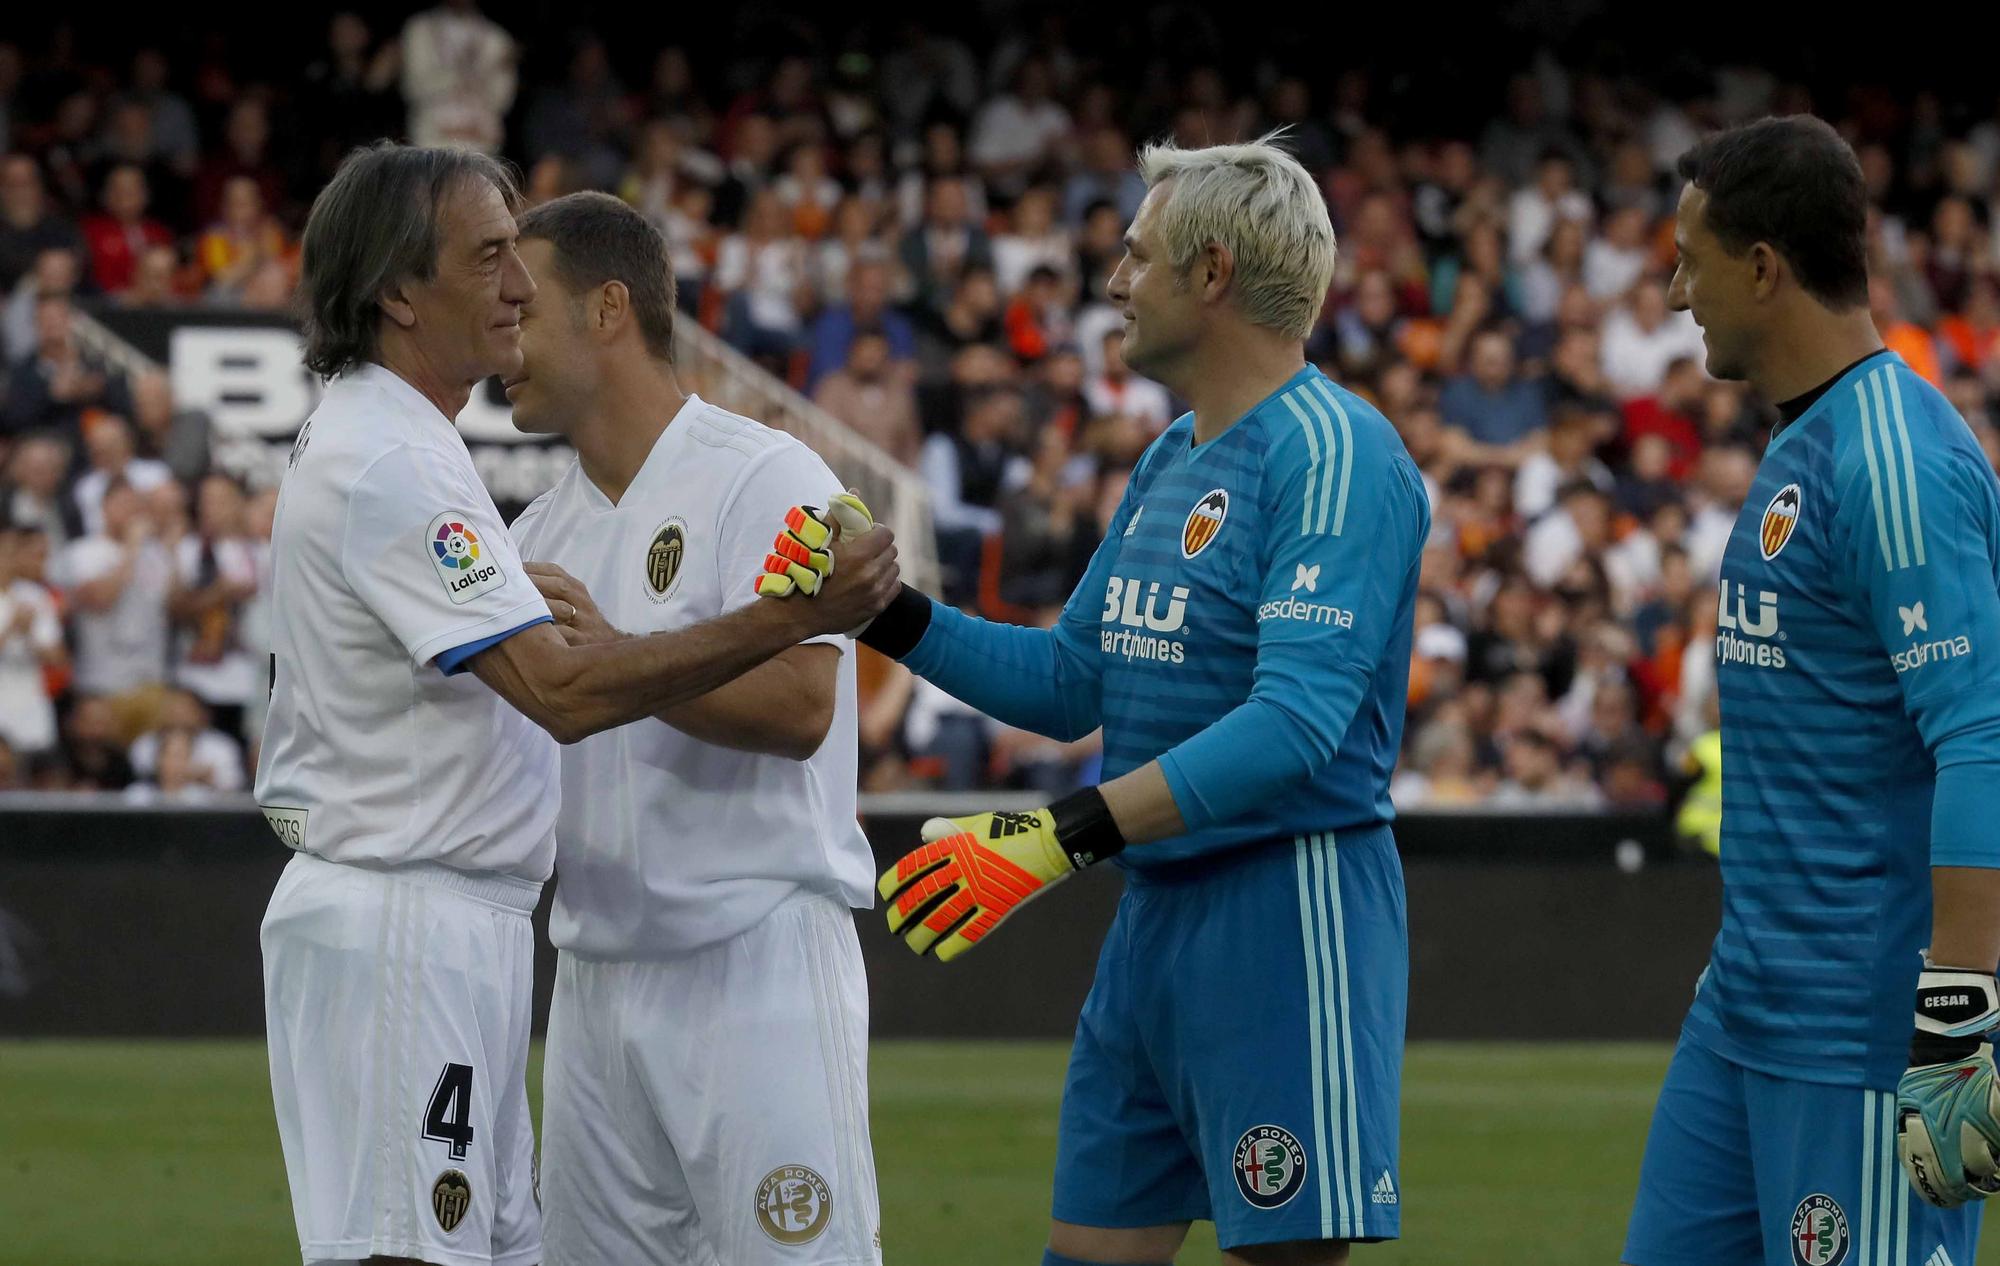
(597, 239)
(374, 227)
(1794, 183)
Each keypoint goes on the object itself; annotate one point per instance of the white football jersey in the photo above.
(387, 552)
(669, 843)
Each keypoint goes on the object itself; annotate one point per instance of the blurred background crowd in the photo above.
(912, 225)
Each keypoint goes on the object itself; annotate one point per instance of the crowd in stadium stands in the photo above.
(918, 238)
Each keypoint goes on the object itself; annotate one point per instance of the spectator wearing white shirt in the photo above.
(807, 191)
(1017, 134)
(215, 577)
(1641, 338)
(1536, 778)
(1534, 210)
(1727, 472)
(31, 643)
(1568, 457)
(766, 274)
(1033, 240)
(113, 459)
(212, 760)
(1115, 389)
(117, 581)
(1616, 259)
(459, 77)
(34, 489)
(1580, 526)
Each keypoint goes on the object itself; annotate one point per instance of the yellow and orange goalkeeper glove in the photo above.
(973, 872)
(802, 557)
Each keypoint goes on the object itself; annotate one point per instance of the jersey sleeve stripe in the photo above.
(1909, 467)
(1887, 448)
(1346, 453)
(1874, 474)
(1333, 459)
(1312, 447)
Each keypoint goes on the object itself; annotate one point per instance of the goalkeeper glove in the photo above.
(972, 872)
(802, 557)
(1947, 1104)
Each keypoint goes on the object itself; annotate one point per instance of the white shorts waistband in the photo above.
(510, 892)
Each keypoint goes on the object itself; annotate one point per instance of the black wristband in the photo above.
(901, 625)
(1935, 1048)
(1085, 828)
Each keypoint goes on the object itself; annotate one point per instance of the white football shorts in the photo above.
(397, 1008)
(712, 1109)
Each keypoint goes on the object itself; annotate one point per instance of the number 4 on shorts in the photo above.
(448, 1119)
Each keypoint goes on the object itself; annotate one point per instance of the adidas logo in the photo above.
(1385, 1190)
(1006, 824)
(1939, 1258)
(1134, 524)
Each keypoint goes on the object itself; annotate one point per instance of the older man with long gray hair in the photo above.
(421, 797)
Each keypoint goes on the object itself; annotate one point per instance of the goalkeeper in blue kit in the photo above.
(1243, 637)
(1841, 1024)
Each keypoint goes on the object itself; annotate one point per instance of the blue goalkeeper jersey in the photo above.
(1246, 621)
(1857, 644)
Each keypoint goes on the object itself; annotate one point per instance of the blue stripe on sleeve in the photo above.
(452, 662)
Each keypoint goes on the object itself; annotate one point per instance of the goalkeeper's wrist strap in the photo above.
(1085, 828)
(901, 625)
(1956, 1008)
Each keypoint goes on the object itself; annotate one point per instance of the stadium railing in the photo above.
(724, 376)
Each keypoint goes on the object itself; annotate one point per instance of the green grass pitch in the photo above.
(122, 1154)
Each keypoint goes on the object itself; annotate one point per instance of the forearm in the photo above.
(1143, 806)
(1965, 852)
(1965, 917)
(780, 708)
(574, 692)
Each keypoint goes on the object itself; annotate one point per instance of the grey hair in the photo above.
(374, 227)
(1259, 202)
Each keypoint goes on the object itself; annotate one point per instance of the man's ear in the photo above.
(612, 309)
(397, 306)
(1767, 266)
(1213, 270)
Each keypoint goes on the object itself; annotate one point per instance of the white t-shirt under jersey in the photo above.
(669, 843)
(386, 552)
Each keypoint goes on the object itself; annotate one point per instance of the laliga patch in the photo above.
(1819, 1232)
(794, 1204)
(1781, 519)
(1204, 521)
(1270, 1165)
(464, 563)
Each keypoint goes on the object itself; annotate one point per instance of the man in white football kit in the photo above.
(705, 1090)
(423, 803)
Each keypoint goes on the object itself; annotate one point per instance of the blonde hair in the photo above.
(1259, 202)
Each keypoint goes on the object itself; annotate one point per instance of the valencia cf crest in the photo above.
(451, 1196)
(1781, 518)
(663, 559)
(1203, 522)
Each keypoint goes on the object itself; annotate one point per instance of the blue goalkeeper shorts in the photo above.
(1239, 1058)
(1743, 1167)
